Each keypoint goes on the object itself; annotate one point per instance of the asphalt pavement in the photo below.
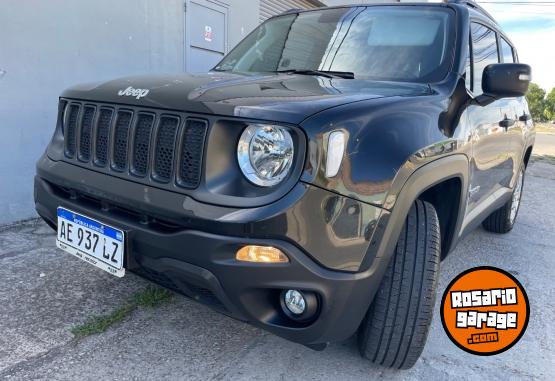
(44, 293)
(545, 144)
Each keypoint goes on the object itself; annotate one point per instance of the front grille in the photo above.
(147, 144)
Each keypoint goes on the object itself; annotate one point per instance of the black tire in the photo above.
(394, 331)
(502, 220)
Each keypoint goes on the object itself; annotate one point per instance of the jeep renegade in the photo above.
(312, 181)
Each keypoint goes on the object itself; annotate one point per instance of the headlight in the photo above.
(265, 154)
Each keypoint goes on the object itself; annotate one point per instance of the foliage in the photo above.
(536, 102)
(549, 111)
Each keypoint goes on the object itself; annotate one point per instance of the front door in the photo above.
(491, 167)
(205, 34)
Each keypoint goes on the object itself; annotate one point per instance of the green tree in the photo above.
(536, 102)
(549, 109)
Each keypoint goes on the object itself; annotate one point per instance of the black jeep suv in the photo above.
(313, 180)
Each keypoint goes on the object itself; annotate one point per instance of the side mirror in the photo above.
(506, 80)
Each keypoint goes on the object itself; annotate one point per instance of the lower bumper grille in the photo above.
(197, 293)
(143, 143)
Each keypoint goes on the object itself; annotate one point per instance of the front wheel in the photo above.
(503, 219)
(396, 325)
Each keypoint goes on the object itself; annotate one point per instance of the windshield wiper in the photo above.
(323, 73)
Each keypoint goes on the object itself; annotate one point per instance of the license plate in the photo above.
(92, 241)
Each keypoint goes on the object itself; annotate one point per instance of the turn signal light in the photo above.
(261, 254)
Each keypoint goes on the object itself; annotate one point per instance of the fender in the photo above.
(405, 193)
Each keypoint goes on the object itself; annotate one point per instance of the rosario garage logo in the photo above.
(485, 311)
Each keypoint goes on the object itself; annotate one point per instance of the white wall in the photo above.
(48, 45)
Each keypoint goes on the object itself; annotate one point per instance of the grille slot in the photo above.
(121, 137)
(71, 130)
(102, 136)
(165, 148)
(141, 149)
(192, 148)
(86, 132)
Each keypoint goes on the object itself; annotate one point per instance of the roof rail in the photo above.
(292, 10)
(473, 4)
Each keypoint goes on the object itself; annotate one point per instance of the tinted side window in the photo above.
(468, 70)
(507, 52)
(484, 49)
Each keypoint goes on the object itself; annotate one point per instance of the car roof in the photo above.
(474, 10)
(471, 5)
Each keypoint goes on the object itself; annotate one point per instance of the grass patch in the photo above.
(150, 297)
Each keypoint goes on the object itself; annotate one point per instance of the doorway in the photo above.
(205, 34)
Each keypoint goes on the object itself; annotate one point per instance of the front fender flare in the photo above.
(404, 193)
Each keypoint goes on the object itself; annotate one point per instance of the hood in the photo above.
(287, 98)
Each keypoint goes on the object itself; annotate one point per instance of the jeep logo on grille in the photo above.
(132, 92)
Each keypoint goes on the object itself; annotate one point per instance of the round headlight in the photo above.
(265, 154)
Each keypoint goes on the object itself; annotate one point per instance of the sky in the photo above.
(531, 27)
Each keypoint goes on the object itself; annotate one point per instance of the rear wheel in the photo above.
(503, 219)
(396, 325)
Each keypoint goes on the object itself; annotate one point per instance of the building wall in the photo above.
(48, 45)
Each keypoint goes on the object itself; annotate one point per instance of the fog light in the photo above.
(261, 254)
(301, 306)
(295, 302)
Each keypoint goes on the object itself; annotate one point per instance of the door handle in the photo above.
(525, 117)
(506, 123)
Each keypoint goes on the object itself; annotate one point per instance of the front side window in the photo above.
(468, 69)
(506, 51)
(394, 43)
(484, 52)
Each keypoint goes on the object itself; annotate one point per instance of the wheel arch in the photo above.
(445, 197)
(527, 156)
(428, 182)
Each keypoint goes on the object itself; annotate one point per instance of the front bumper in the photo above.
(190, 247)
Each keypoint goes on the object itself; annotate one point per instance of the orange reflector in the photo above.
(261, 254)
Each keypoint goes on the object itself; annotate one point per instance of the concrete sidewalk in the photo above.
(45, 292)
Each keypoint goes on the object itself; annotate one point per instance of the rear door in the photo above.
(491, 167)
(516, 133)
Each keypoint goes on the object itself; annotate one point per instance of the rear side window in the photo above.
(506, 51)
(484, 51)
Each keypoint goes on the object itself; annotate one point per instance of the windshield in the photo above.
(390, 43)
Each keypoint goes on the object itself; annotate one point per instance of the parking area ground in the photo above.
(545, 145)
(44, 293)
